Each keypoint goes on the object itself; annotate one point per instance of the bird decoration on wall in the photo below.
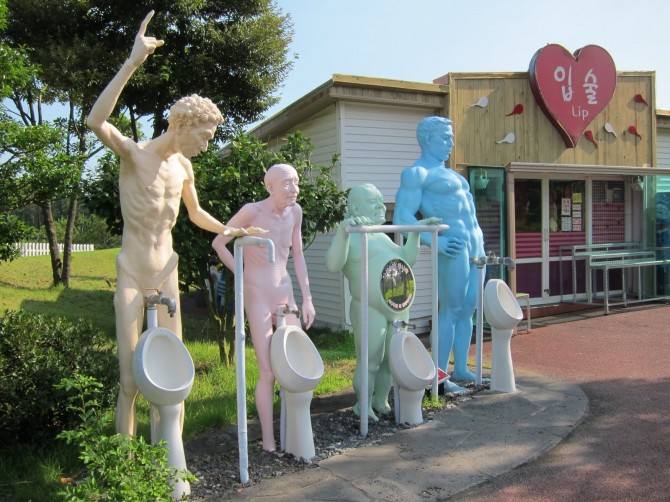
(610, 129)
(518, 110)
(633, 130)
(510, 138)
(639, 99)
(481, 102)
(589, 136)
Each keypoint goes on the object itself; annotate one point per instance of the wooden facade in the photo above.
(477, 129)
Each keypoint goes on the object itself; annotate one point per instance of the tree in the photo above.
(37, 170)
(42, 160)
(234, 52)
(224, 184)
(11, 230)
(11, 73)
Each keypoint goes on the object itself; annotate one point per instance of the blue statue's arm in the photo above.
(475, 223)
(408, 198)
(411, 248)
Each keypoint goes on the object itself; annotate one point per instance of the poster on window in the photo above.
(576, 224)
(566, 207)
(566, 224)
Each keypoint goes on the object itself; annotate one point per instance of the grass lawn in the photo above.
(25, 283)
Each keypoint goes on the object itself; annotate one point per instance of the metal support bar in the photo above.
(242, 432)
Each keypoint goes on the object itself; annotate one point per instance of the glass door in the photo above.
(661, 233)
(549, 219)
(567, 222)
(488, 188)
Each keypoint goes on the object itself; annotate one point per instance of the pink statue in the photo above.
(154, 176)
(268, 286)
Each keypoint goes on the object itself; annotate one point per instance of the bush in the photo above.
(36, 353)
(117, 467)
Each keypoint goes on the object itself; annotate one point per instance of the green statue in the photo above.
(390, 292)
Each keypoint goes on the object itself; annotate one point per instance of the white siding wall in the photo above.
(322, 130)
(327, 289)
(378, 142)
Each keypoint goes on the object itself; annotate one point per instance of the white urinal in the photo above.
(298, 367)
(503, 313)
(413, 370)
(164, 373)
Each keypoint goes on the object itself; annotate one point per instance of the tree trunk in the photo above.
(50, 228)
(67, 245)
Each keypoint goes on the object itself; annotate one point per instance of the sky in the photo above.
(421, 40)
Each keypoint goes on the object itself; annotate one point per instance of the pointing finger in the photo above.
(145, 23)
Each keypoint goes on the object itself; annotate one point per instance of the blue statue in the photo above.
(431, 189)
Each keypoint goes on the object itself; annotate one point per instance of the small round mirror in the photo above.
(397, 285)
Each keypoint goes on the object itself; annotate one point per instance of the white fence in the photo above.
(42, 248)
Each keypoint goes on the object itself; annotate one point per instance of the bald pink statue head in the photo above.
(281, 182)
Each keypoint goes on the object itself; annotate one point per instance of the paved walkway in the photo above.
(589, 423)
(621, 450)
(462, 447)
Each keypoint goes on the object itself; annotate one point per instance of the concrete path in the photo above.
(462, 447)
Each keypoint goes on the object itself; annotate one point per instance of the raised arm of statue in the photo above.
(103, 107)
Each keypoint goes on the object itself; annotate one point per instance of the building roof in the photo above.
(353, 88)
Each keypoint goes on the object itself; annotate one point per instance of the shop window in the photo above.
(608, 210)
(528, 205)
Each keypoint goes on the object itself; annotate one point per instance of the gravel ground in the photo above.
(214, 459)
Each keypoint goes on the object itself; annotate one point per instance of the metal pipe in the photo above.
(363, 403)
(242, 432)
(479, 336)
(368, 229)
(481, 262)
(158, 298)
(434, 333)
(152, 316)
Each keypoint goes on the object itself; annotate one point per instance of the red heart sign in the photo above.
(572, 90)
